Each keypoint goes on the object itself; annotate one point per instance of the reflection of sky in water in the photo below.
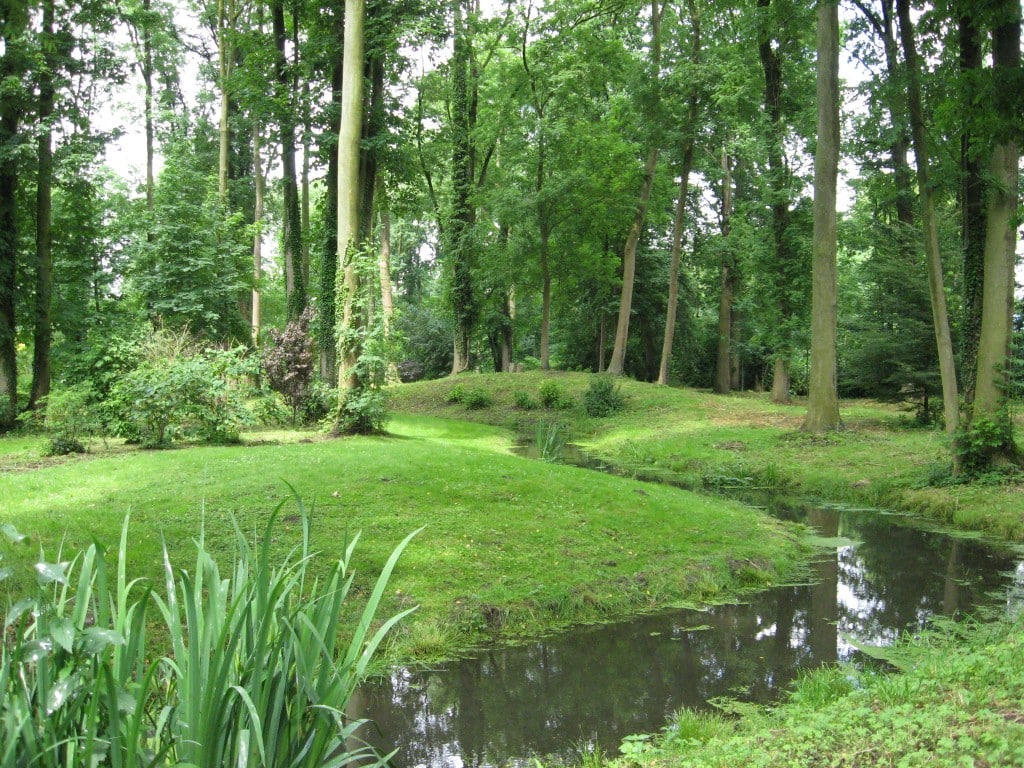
(599, 684)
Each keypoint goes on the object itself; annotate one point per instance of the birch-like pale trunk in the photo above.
(349, 134)
(257, 240)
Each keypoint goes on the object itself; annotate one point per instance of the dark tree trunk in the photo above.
(42, 333)
(295, 289)
(972, 203)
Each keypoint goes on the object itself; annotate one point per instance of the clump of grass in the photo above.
(254, 674)
(524, 400)
(473, 398)
(603, 397)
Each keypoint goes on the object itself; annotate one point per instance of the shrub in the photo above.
(603, 397)
(72, 415)
(255, 674)
(287, 360)
(477, 398)
(456, 394)
(552, 395)
(524, 400)
(167, 398)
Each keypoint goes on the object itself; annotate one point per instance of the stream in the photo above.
(596, 684)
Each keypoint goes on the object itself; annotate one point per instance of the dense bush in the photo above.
(603, 397)
(72, 415)
(473, 398)
(179, 392)
(553, 396)
(254, 674)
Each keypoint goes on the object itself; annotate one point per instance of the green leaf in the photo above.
(48, 573)
(96, 639)
(12, 534)
(63, 633)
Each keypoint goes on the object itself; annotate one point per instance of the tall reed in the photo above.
(254, 674)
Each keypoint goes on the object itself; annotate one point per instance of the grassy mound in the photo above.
(511, 547)
(706, 441)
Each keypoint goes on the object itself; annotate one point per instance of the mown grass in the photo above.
(706, 441)
(511, 547)
(955, 701)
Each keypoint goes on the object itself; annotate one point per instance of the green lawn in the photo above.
(511, 546)
(707, 441)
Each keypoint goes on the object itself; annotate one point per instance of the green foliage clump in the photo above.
(603, 397)
(552, 395)
(255, 674)
(524, 400)
(72, 415)
(981, 440)
(473, 398)
(179, 391)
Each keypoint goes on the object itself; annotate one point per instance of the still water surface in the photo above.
(598, 684)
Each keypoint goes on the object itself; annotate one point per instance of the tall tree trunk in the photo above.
(330, 258)
(723, 359)
(224, 60)
(460, 248)
(823, 401)
(13, 64)
(940, 315)
(617, 363)
(147, 106)
(772, 67)
(387, 299)
(972, 206)
(1000, 236)
(349, 134)
(257, 240)
(680, 215)
(295, 288)
(42, 334)
(545, 311)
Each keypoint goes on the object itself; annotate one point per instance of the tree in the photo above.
(1000, 236)
(349, 132)
(940, 315)
(618, 358)
(14, 64)
(823, 403)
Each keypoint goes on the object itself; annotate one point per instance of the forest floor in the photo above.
(702, 441)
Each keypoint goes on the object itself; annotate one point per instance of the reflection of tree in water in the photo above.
(899, 577)
(598, 684)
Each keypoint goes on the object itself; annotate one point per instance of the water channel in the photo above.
(595, 685)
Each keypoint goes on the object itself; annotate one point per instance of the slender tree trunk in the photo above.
(772, 67)
(723, 360)
(1000, 239)
(680, 215)
(295, 288)
(616, 365)
(223, 66)
(44, 215)
(147, 106)
(673, 272)
(349, 134)
(545, 313)
(940, 315)
(823, 401)
(387, 300)
(257, 240)
(460, 248)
